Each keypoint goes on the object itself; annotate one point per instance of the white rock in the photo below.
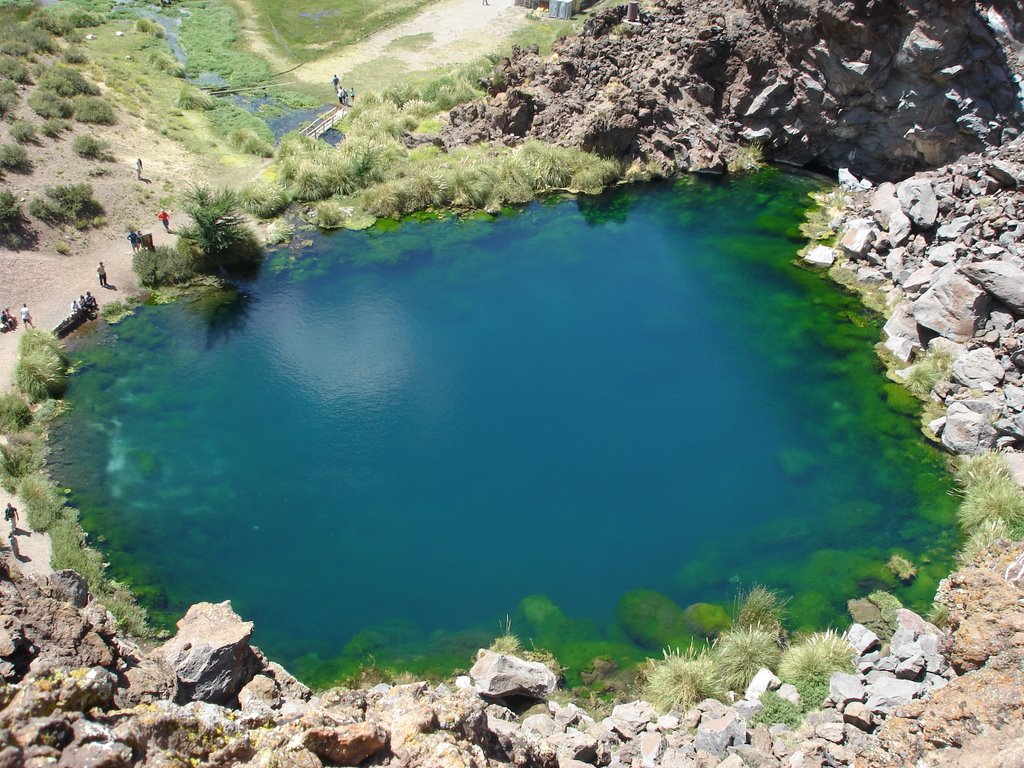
(763, 681)
(821, 256)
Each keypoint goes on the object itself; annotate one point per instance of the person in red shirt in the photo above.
(165, 219)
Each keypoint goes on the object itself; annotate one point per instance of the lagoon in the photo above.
(390, 441)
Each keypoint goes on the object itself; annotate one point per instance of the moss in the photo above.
(652, 620)
(706, 619)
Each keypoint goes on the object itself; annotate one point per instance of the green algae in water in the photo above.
(383, 446)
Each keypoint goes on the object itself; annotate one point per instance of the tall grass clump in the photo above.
(14, 158)
(49, 105)
(15, 415)
(93, 109)
(329, 215)
(981, 538)
(67, 82)
(935, 366)
(681, 679)
(164, 265)
(742, 651)
(149, 27)
(746, 159)
(74, 56)
(816, 657)
(20, 456)
(42, 369)
(999, 499)
(167, 64)
(44, 504)
(251, 143)
(279, 231)
(263, 199)
(762, 608)
(193, 98)
(23, 132)
(507, 643)
(88, 146)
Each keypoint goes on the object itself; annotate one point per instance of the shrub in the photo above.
(742, 651)
(329, 215)
(70, 551)
(48, 104)
(14, 158)
(935, 366)
(74, 56)
(263, 199)
(44, 505)
(117, 310)
(760, 607)
(53, 127)
(813, 692)
(1000, 498)
(87, 145)
(12, 222)
(67, 81)
(19, 457)
(166, 64)
(15, 415)
(249, 142)
(33, 39)
(682, 679)
(93, 109)
(777, 710)
(815, 656)
(163, 266)
(8, 103)
(15, 70)
(23, 132)
(746, 159)
(42, 369)
(68, 204)
(218, 235)
(193, 98)
(279, 231)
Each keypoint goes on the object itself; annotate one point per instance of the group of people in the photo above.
(8, 322)
(86, 303)
(345, 98)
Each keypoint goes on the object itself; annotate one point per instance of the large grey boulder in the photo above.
(889, 214)
(968, 429)
(210, 654)
(978, 369)
(630, 719)
(952, 307)
(887, 693)
(497, 676)
(716, 734)
(844, 688)
(858, 238)
(1002, 279)
(862, 639)
(918, 200)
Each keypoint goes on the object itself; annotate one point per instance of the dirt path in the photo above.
(448, 32)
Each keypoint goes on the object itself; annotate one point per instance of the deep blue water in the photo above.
(388, 440)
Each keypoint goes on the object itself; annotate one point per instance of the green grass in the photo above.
(777, 710)
(279, 231)
(263, 199)
(15, 415)
(209, 37)
(42, 369)
(742, 651)
(816, 656)
(20, 456)
(760, 607)
(307, 29)
(193, 98)
(998, 499)
(681, 679)
(43, 502)
(14, 70)
(115, 311)
(981, 538)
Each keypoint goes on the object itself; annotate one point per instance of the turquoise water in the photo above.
(382, 445)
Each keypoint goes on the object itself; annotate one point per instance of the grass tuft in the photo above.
(193, 98)
(760, 607)
(816, 656)
(681, 679)
(742, 651)
(935, 366)
(279, 231)
(42, 369)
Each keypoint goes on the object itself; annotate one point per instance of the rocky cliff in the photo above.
(884, 87)
(75, 693)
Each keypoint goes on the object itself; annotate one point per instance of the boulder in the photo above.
(346, 744)
(716, 734)
(630, 719)
(210, 654)
(952, 307)
(978, 369)
(763, 681)
(844, 688)
(967, 431)
(789, 692)
(859, 716)
(820, 256)
(496, 675)
(70, 586)
(887, 693)
(862, 639)
(918, 200)
(951, 230)
(652, 747)
(1005, 281)
(889, 214)
(858, 238)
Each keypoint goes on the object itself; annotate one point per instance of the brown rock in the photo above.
(346, 744)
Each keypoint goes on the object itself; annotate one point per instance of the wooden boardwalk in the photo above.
(324, 123)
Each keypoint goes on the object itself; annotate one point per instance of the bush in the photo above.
(813, 692)
(193, 98)
(166, 64)
(48, 104)
(815, 656)
(31, 39)
(44, 505)
(53, 127)
(93, 109)
(42, 369)
(777, 710)
(760, 607)
(742, 651)
(218, 235)
(67, 81)
(12, 223)
(15, 415)
(19, 457)
(74, 56)
(14, 158)
(163, 266)
(117, 310)
(250, 143)
(68, 204)
(14, 70)
(87, 145)
(8, 103)
(681, 680)
(23, 132)
(263, 199)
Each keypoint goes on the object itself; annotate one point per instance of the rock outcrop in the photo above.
(884, 88)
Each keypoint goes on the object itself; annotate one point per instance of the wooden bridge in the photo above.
(324, 123)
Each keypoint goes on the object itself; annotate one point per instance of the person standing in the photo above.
(101, 273)
(26, 317)
(133, 238)
(351, 95)
(138, 169)
(341, 96)
(11, 516)
(337, 82)
(165, 219)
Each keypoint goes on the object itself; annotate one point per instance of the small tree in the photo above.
(219, 235)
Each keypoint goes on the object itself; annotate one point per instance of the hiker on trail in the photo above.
(101, 273)
(26, 318)
(138, 169)
(11, 516)
(341, 96)
(337, 82)
(351, 94)
(133, 238)
(165, 219)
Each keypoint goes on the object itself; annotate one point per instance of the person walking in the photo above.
(165, 219)
(351, 95)
(11, 516)
(101, 273)
(138, 169)
(26, 317)
(133, 238)
(341, 96)
(337, 82)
